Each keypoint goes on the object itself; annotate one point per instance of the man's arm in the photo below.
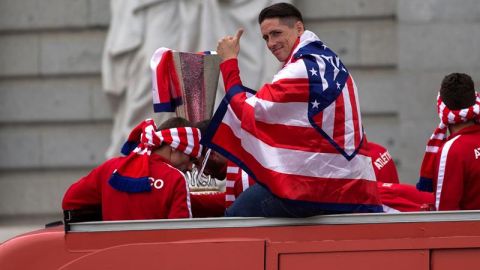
(86, 192)
(230, 73)
(208, 205)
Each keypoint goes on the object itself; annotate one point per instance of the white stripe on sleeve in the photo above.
(441, 170)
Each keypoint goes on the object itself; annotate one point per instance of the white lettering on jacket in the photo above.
(382, 160)
(156, 183)
(477, 153)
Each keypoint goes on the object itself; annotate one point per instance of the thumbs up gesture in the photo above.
(228, 47)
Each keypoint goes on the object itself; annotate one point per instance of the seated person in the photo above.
(307, 157)
(395, 197)
(452, 163)
(146, 184)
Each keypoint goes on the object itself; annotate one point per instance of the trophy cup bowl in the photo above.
(199, 75)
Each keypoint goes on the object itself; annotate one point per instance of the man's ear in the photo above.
(299, 27)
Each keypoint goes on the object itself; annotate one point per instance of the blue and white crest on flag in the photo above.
(327, 80)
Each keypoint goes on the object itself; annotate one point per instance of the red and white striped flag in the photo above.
(301, 136)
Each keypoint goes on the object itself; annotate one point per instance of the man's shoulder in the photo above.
(112, 162)
(460, 144)
(376, 147)
(293, 70)
(162, 169)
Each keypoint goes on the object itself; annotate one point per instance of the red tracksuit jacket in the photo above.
(383, 164)
(168, 198)
(457, 171)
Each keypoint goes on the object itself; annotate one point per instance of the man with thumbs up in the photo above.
(299, 137)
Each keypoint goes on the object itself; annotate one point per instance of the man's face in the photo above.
(280, 37)
(180, 160)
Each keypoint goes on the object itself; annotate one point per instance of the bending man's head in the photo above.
(281, 25)
(458, 91)
(177, 158)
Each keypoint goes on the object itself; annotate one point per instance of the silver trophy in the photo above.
(198, 75)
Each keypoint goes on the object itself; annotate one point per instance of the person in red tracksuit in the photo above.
(395, 197)
(456, 164)
(142, 185)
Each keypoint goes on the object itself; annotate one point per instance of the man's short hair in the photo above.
(457, 91)
(203, 126)
(174, 122)
(281, 11)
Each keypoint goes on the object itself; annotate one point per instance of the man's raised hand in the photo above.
(228, 47)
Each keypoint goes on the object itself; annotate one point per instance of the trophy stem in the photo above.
(204, 163)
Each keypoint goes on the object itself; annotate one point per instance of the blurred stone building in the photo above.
(55, 120)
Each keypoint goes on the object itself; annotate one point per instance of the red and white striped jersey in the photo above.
(237, 181)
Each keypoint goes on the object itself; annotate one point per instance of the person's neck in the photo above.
(293, 49)
(454, 128)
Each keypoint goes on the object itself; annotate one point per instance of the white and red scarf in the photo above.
(166, 86)
(133, 172)
(439, 136)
